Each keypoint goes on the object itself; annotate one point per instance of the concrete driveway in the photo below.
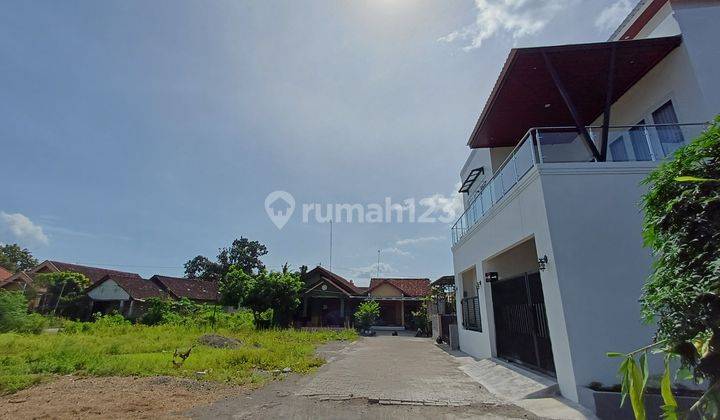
(399, 369)
(375, 377)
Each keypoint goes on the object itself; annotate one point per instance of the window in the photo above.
(471, 313)
(671, 137)
(639, 142)
(617, 150)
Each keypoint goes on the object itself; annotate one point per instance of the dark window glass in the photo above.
(617, 150)
(671, 137)
(639, 142)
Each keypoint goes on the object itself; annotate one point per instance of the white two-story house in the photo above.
(548, 256)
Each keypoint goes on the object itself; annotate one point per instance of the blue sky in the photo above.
(136, 135)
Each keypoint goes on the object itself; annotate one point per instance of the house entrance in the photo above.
(521, 327)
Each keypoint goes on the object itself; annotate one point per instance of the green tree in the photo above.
(64, 292)
(366, 314)
(682, 227)
(16, 259)
(202, 268)
(235, 287)
(277, 291)
(242, 254)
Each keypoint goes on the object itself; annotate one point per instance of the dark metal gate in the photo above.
(521, 328)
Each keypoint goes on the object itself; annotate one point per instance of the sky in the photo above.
(136, 135)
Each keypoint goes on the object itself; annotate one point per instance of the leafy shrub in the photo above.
(14, 315)
(186, 312)
(367, 313)
(682, 226)
(13, 311)
(421, 320)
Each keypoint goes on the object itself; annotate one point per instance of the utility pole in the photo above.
(331, 238)
(378, 265)
(57, 302)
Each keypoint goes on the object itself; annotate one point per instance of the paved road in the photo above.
(397, 369)
(375, 377)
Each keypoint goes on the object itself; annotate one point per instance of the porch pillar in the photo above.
(130, 309)
(342, 307)
(402, 312)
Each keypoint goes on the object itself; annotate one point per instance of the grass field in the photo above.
(124, 350)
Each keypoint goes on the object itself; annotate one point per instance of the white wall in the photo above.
(596, 230)
(519, 216)
(700, 30)
(108, 290)
(662, 24)
(478, 158)
(585, 218)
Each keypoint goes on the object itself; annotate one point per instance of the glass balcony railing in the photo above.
(565, 145)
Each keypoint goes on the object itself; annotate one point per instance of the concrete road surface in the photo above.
(375, 377)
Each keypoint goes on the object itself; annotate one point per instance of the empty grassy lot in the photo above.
(106, 349)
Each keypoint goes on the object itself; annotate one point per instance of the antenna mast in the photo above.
(378, 265)
(331, 244)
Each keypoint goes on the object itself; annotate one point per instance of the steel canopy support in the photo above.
(608, 103)
(582, 130)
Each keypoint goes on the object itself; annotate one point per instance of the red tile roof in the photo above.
(5, 274)
(410, 287)
(193, 289)
(95, 274)
(137, 288)
(340, 281)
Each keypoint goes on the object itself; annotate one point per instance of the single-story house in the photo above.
(198, 291)
(24, 279)
(329, 300)
(4, 274)
(113, 289)
(126, 295)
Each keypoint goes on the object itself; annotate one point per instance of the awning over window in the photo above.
(526, 95)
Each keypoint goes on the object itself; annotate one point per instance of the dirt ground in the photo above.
(374, 378)
(70, 397)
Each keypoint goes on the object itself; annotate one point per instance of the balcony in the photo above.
(549, 145)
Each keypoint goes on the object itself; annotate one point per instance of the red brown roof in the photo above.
(192, 289)
(413, 287)
(341, 282)
(95, 274)
(5, 274)
(137, 288)
(525, 95)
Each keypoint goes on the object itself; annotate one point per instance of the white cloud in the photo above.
(414, 241)
(518, 18)
(396, 251)
(449, 207)
(372, 270)
(23, 228)
(613, 15)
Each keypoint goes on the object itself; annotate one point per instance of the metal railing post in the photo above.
(649, 143)
(539, 147)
